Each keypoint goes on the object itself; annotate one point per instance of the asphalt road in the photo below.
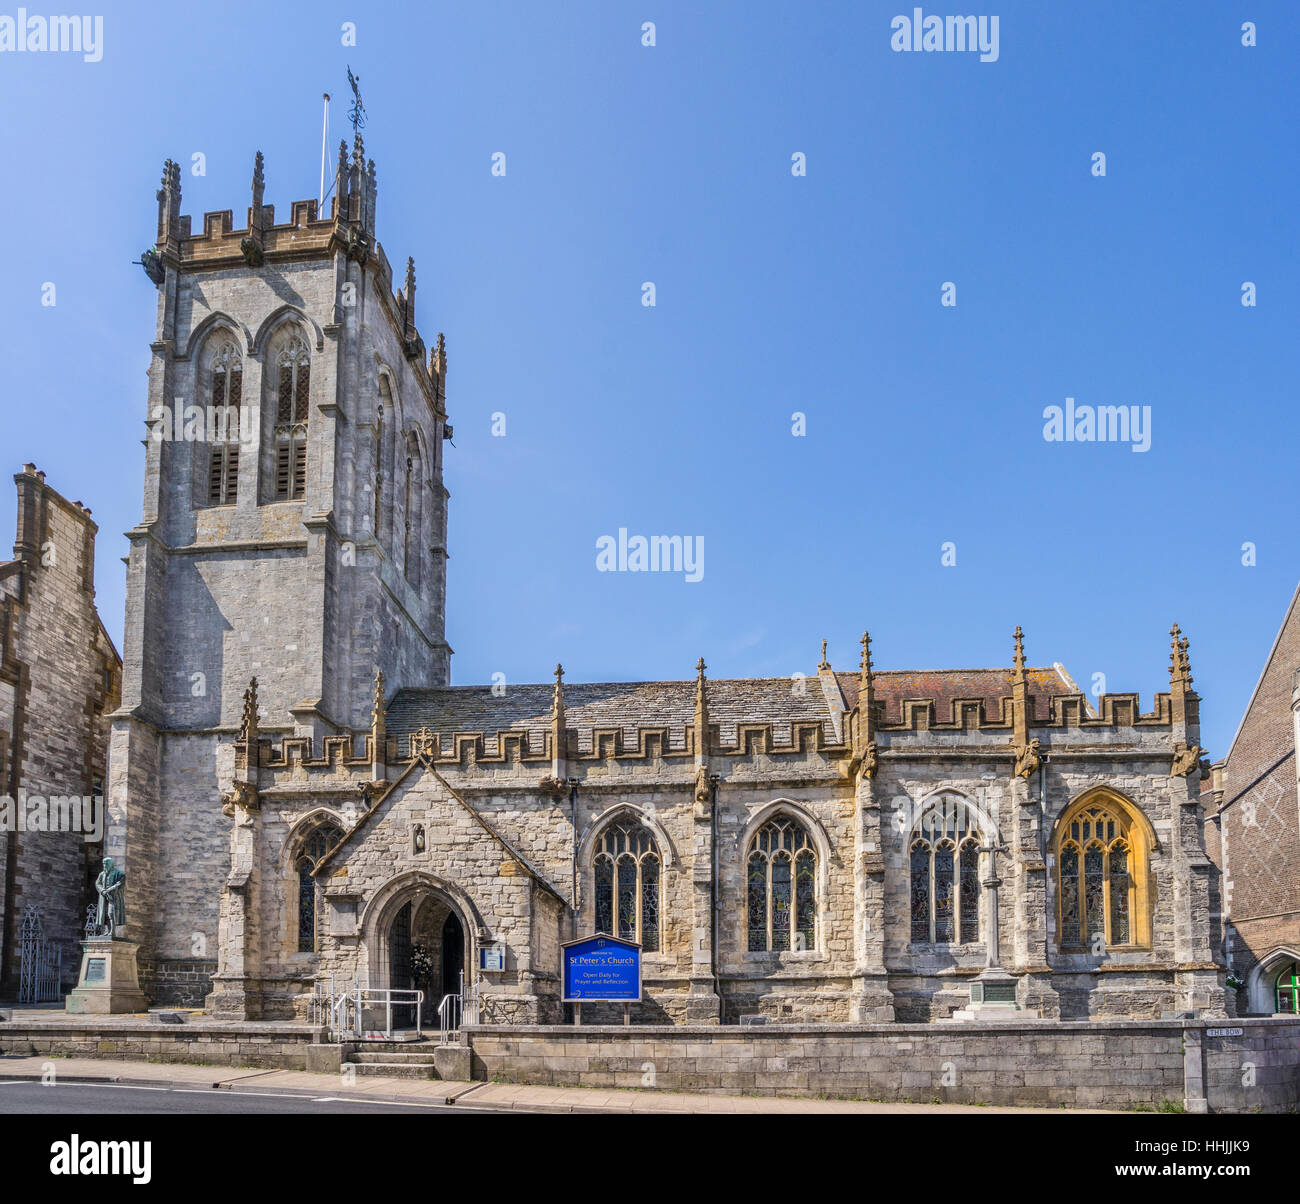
(107, 1099)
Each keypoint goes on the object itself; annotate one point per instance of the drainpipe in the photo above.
(573, 859)
(1042, 807)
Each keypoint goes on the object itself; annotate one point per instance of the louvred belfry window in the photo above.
(292, 407)
(225, 400)
(626, 871)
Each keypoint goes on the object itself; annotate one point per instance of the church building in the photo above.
(300, 795)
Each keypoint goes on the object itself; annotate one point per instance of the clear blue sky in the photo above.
(775, 294)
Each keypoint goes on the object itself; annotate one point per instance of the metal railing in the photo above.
(352, 1013)
(457, 1009)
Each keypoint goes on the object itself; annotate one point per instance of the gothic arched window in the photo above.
(292, 400)
(313, 847)
(944, 898)
(1102, 876)
(626, 867)
(781, 878)
(225, 402)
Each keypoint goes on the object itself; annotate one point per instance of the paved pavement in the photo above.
(176, 1083)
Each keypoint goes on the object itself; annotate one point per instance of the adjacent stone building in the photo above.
(834, 847)
(60, 676)
(1254, 835)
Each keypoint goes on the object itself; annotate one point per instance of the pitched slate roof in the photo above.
(779, 701)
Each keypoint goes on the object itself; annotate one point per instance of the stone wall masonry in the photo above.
(61, 676)
(278, 1046)
(1115, 1065)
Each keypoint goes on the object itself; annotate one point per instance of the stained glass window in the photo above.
(943, 892)
(944, 896)
(650, 904)
(920, 891)
(1098, 886)
(604, 894)
(313, 847)
(805, 901)
(627, 880)
(1094, 885)
(627, 898)
(782, 888)
(1119, 893)
(970, 892)
(780, 901)
(1071, 930)
(757, 902)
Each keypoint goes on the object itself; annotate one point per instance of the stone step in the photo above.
(363, 1056)
(395, 1070)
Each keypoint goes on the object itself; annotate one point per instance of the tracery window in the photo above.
(1102, 876)
(314, 847)
(627, 873)
(781, 876)
(944, 866)
(225, 397)
(1288, 989)
(293, 394)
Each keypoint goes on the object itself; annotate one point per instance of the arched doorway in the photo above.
(426, 951)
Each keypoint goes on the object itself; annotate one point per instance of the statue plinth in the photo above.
(109, 981)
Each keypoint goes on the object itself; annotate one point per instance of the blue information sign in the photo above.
(601, 969)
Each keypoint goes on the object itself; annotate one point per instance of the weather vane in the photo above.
(356, 114)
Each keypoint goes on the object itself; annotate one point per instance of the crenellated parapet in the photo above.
(853, 722)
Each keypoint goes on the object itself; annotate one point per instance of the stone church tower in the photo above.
(293, 529)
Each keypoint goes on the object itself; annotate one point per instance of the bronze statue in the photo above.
(111, 912)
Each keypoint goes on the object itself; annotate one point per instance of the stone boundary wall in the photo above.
(1121, 1065)
(279, 1047)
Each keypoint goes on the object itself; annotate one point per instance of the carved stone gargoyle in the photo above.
(1187, 758)
(702, 792)
(241, 794)
(1028, 759)
(553, 787)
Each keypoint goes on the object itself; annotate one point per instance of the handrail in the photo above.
(355, 1001)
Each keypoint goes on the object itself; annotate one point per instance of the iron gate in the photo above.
(40, 962)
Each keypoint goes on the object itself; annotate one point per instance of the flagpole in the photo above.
(324, 140)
